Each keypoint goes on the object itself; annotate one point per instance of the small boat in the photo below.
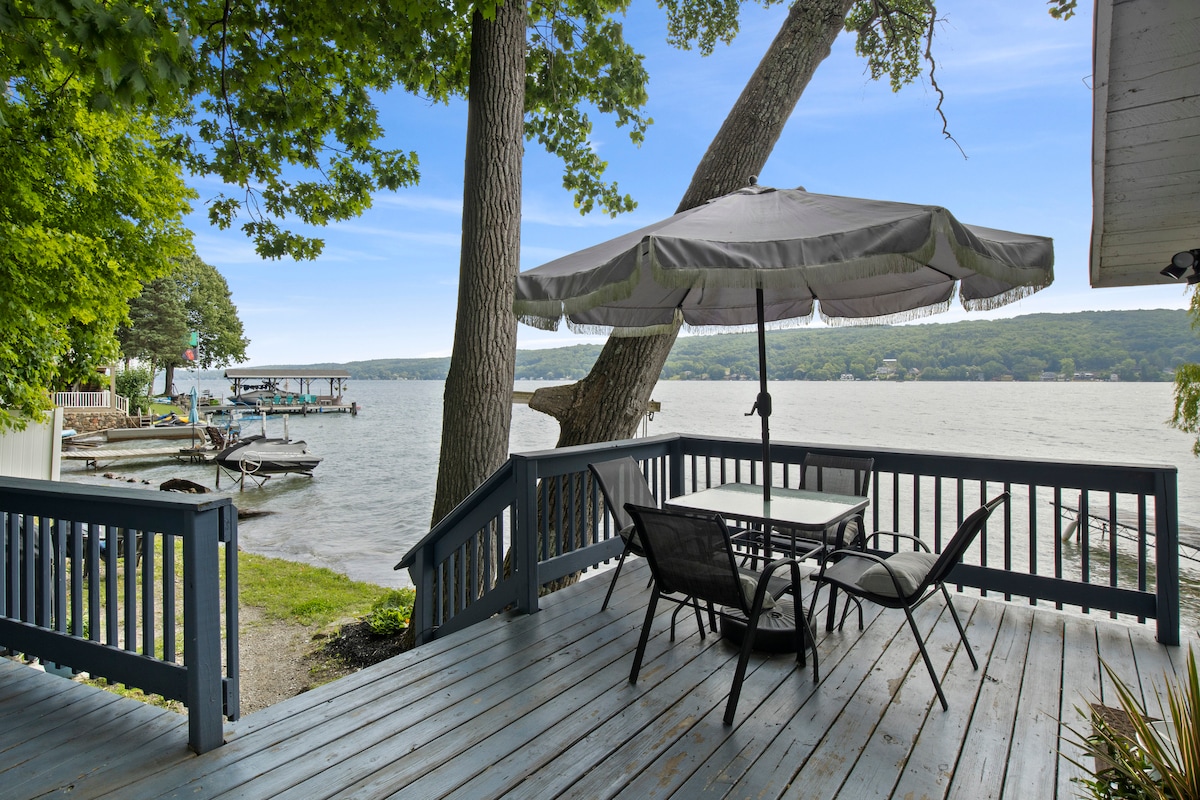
(259, 455)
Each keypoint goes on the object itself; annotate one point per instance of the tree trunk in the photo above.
(477, 404)
(168, 379)
(608, 403)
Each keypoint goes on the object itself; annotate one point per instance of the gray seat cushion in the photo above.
(910, 570)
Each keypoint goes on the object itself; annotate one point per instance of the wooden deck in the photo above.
(541, 706)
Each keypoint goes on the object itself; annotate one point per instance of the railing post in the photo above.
(202, 630)
(675, 477)
(524, 546)
(231, 679)
(1166, 514)
(421, 573)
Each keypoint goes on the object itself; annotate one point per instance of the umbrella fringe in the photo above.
(774, 325)
(1030, 279)
(887, 319)
(623, 333)
(541, 321)
(996, 301)
(551, 309)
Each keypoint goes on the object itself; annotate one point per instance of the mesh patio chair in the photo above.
(843, 475)
(839, 475)
(906, 579)
(621, 481)
(692, 554)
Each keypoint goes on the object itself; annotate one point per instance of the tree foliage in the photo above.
(278, 99)
(158, 325)
(1094, 343)
(1186, 415)
(89, 211)
(134, 383)
(281, 99)
(194, 297)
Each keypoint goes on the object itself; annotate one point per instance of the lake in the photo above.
(371, 498)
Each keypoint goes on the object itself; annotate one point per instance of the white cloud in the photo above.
(420, 202)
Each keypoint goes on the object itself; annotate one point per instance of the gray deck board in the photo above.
(541, 706)
(1033, 756)
(1080, 686)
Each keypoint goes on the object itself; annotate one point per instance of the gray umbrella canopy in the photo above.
(852, 259)
(760, 256)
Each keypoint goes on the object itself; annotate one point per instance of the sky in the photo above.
(1018, 89)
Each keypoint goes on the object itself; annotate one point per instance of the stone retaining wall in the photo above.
(86, 420)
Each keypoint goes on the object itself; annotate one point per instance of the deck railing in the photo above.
(103, 399)
(540, 519)
(128, 585)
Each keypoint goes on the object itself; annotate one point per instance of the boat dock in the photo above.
(282, 408)
(272, 388)
(102, 456)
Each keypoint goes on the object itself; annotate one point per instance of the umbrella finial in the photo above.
(753, 180)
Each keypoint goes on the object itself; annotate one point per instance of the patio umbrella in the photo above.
(760, 255)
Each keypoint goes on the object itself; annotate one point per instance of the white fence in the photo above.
(91, 400)
(33, 452)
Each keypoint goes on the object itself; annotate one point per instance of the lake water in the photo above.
(371, 498)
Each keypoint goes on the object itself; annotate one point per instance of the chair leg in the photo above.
(688, 602)
(912, 623)
(616, 574)
(831, 612)
(805, 635)
(739, 674)
(812, 603)
(846, 612)
(645, 637)
(961, 630)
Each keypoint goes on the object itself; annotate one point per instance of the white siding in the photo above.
(34, 452)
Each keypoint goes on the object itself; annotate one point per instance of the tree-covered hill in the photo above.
(1134, 345)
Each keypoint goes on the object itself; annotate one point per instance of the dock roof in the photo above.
(285, 372)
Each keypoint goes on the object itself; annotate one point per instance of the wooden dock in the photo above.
(99, 457)
(541, 706)
(303, 409)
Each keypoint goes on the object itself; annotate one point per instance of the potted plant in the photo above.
(1136, 755)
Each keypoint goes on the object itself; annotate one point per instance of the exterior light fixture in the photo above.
(1180, 263)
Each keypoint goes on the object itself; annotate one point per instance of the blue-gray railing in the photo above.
(539, 519)
(92, 580)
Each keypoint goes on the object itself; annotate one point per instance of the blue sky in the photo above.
(1018, 99)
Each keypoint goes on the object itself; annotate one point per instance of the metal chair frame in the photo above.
(844, 568)
(708, 571)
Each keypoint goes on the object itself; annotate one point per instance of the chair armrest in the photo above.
(764, 578)
(861, 538)
(910, 537)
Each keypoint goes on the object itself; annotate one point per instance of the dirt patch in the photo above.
(282, 659)
(355, 646)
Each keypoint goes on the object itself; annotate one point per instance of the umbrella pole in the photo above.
(764, 397)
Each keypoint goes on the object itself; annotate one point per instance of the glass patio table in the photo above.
(798, 511)
(792, 509)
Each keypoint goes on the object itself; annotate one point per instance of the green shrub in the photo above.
(392, 612)
(134, 383)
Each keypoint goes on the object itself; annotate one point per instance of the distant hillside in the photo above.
(1134, 345)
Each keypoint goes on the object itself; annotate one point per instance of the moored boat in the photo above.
(259, 455)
